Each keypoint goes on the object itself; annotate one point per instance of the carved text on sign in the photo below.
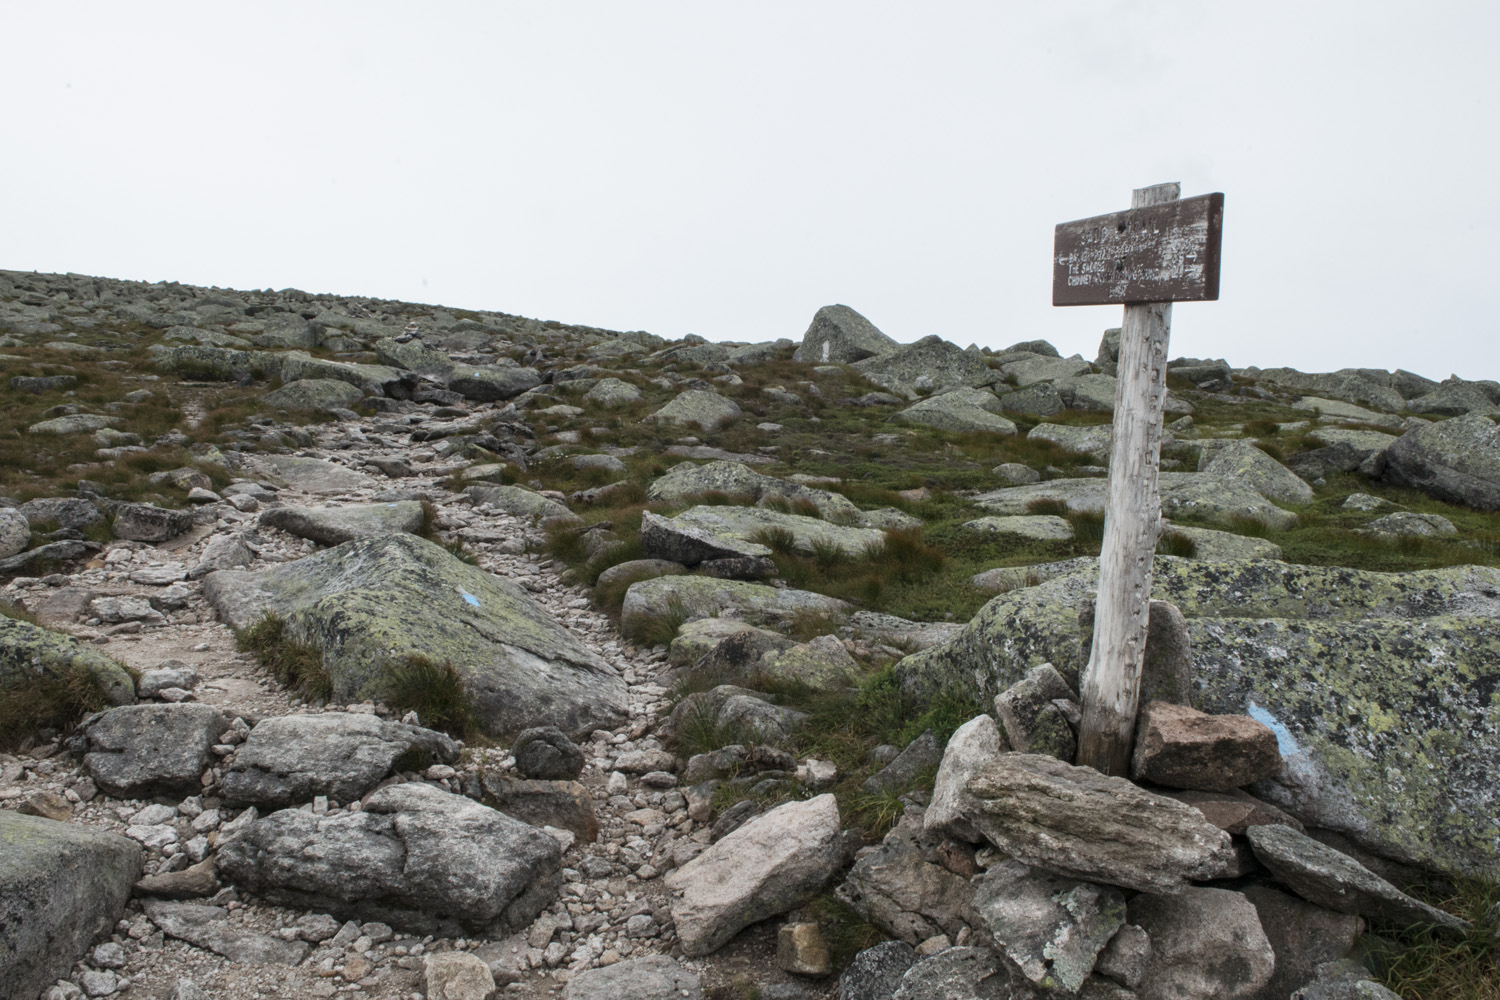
(1163, 253)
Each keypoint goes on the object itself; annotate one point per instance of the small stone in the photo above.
(800, 949)
(109, 956)
(1181, 747)
(457, 975)
(933, 945)
(48, 805)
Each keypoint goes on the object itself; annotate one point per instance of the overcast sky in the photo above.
(727, 168)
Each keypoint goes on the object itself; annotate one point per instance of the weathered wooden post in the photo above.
(1160, 251)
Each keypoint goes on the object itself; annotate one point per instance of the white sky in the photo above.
(727, 168)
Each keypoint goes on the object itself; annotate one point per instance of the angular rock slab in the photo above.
(1215, 498)
(367, 604)
(1077, 822)
(696, 406)
(876, 972)
(686, 481)
(61, 886)
(336, 525)
(655, 977)
(311, 475)
(957, 974)
(909, 897)
(1322, 875)
(705, 597)
(1053, 928)
(209, 927)
(414, 857)
(1303, 936)
(15, 532)
(1181, 747)
(138, 751)
(973, 745)
(1457, 460)
(31, 654)
(773, 863)
(1204, 943)
(717, 532)
(838, 335)
(144, 522)
(288, 760)
(314, 394)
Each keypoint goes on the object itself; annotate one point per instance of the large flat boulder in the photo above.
(144, 522)
(1352, 385)
(704, 409)
(311, 475)
(717, 532)
(1204, 943)
(33, 655)
(962, 411)
(415, 857)
(1304, 649)
(838, 336)
(371, 380)
(1077, 822)
(490, 384)
(137, 751)
(210, 927)
(287, 760)
(336, 525)
(517, 500)
(322, 394)
(773, 863)
(694, 597)
(1215, 498)
(687, 481)
(1456, 460)
(61, 886)
(369, 605)
(1266, 476)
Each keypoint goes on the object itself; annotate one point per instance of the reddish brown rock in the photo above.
(1234, 811)
(1181, 747)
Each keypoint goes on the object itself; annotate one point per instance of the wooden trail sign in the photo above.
(1161, 250)
(1159, 253)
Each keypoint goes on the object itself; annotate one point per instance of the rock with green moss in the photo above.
(336, 525)
(1214, 498)
(687, 598)
(371, 605)
(34, 657)
(1378, 685)
(1222, 546)
(62, 885)
(321, 394)
(611, 392)
(1041, 368)
(414, 356)
(1411, 524)
(1243, 461)
(930, 363)
(699, 637)
(1352, 385)
(822, 664)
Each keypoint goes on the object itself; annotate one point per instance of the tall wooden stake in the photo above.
(1112, 680)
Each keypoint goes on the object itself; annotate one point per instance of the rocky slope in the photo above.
(356, 646)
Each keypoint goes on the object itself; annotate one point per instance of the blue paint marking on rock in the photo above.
(470, 598)
(1284, 739)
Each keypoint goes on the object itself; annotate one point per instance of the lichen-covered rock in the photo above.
(1213, 498)
(414, 857)
(1353, 385)
(1077, 822)
(900, 891)
(137, 751)
(144, 522)
(15, 532)
(707, 410)
(930, 363)
(716, 532)
(209, 927)
(776, 861)
(1030, 718)
(1083, 440)
(919, 759)
(694, 597)
(963, 411)
(1204, 943)
(876, 972)
(491, 384)
(65, 512)
(1409, 524)
(289, 759)
(1224, 546)
(1303, 649)
(821, 664)
(1053, 928)
(336, 525)
(221, 364)
(314, 394)
(61, 886)
(33, 655)
(686, 481)
(371, 604)
(517, 500)
(967, 973)
(612, 392)
(1268, 477)
(414, 356)
(371, 380)
(654, 977)
(546, 752)
(838, 336)
(1456, 460)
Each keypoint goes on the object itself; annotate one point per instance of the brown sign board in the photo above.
(1164, 253)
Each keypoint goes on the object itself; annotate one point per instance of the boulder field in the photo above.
(351, 646)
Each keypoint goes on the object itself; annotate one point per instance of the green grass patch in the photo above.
(435, 691)
(1422, 963)
(294, 663)
(54, 700)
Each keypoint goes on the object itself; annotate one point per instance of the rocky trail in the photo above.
(358, 647)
